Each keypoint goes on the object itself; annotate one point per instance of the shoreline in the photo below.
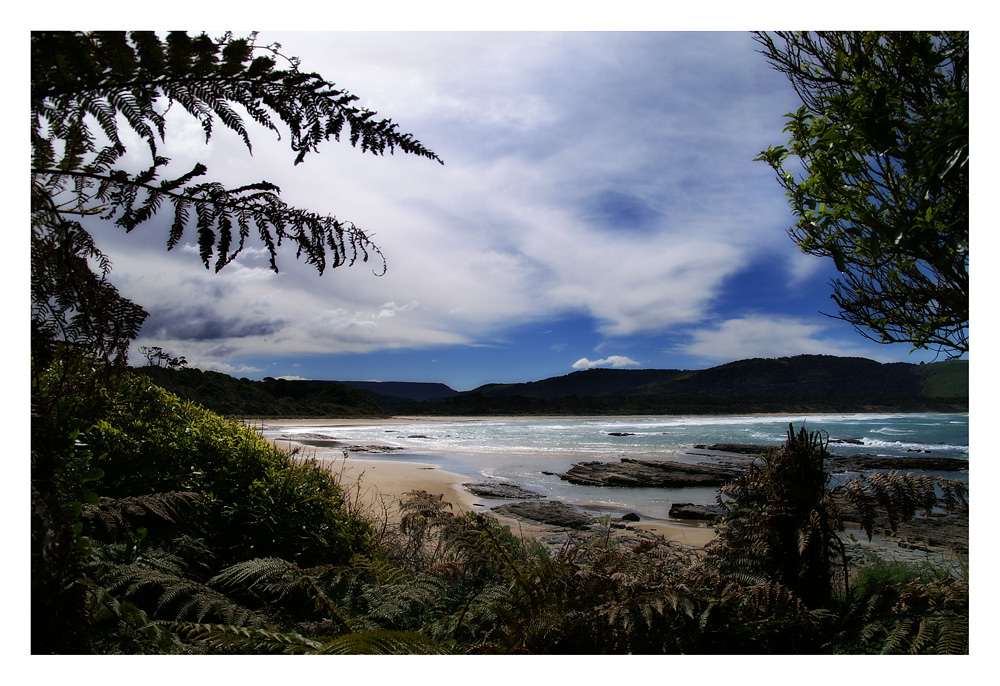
(381, 480)
(380, 484)
(446, 419)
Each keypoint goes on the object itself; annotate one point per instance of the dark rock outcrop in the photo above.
(649, 473)
(874, 463)
(709, 513)
(492, 489)
(373, 448)
(554, 513)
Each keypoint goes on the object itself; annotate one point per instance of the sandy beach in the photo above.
(380, 484)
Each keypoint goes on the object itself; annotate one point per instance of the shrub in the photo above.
(256, 501)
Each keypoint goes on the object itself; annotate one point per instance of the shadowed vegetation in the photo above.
(196, 536)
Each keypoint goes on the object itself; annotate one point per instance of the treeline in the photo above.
(802, 384)
(232, 397)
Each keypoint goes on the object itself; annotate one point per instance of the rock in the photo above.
(630, 517)
(947, 532)
(620, 433)
(649, 473)
(317, 442)
(874, 463)
(554, 513)
(373, 448)
(501, 490)
(709, 513)
(848, 441)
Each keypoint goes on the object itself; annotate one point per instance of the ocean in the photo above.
(532, 451)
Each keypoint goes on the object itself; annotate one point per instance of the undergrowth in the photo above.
(185, 533)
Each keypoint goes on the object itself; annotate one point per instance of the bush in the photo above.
(256, 501)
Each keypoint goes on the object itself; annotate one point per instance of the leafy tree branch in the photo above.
(876, 171)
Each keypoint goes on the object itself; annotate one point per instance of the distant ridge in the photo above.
(802, 376)
(400, 390)
(805, 383)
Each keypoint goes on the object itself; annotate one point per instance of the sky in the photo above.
(599, 206)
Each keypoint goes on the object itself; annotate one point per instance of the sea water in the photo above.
(532, 451)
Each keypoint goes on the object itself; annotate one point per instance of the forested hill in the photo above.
(234, 397)
(807, 383)
(804, 376)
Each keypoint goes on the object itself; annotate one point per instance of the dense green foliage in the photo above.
(882, 144)
(233, 397)
(139, 460)
(254, 500)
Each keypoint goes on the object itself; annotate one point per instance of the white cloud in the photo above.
(767, 336)
(532, 128)
(613, 361)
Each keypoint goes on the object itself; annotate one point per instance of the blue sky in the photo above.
(599, 206)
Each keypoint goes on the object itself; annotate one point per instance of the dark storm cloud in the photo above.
(201, 323)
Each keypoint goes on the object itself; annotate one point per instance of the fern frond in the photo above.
(132, 623)
(252, 573)
(226, 638)
(122, 515)
(171, 595)
(383, 642)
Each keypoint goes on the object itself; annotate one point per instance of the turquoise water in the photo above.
(532, 451)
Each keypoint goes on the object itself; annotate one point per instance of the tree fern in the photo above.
(121, 82)
(173, 596)
(113, 517)
(120, 625)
